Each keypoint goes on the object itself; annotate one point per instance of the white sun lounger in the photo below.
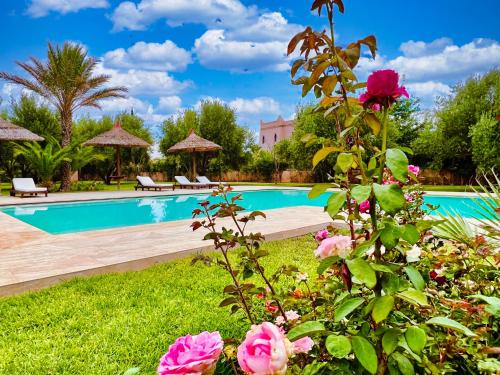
(205, 180)
(146, 183)
(183, 182)
(26, 186)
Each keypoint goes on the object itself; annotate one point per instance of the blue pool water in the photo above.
(58, 218)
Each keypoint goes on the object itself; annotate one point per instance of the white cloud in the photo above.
(268, 27)
(129, 15)
(428, 69)
(256, 106)
(215, 51)
(40, 8)
(150, 56)
(453, 62)
(144, 82)
(169, 104)
(117, 105)
(429, 88)
(418, 48)
(424, 62)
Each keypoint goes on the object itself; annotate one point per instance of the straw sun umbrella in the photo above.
(11, 132)
(118, 138)
(193, 144)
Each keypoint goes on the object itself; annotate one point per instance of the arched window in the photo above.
(263, 139)
(275, 137)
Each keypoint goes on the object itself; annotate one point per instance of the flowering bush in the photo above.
(389, 297)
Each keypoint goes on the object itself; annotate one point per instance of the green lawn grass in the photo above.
(107, 324)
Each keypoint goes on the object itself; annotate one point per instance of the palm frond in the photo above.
(455, 228)
(488, 206)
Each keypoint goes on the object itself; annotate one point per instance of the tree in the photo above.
(68, 82)
(448, 142)
(29, 114)
(406, 126)
(133, 159)
(485, 138)
(38, 118)
(216, 122)
(44, 161)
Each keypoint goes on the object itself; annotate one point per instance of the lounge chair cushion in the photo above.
(205, 180)
(182, 180)
(27, 185)
(148, 182)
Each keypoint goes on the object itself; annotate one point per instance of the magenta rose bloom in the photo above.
(196, 355)
(265, 350)
(321, 235)
(334, 246)
(382, 89)
(364, 206)
(414, 169)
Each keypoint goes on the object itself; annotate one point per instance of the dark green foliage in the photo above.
(216, 122)
(134, 160)
(447, 142)
(485, 138)
(39, 119)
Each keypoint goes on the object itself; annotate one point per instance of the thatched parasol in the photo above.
(193, 144)
(118, 138)
(11, 132)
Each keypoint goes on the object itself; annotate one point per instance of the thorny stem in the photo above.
(256, 262)
(334, 55)
(313, 300)
(349, 218)
(229, 268)
(378, 242)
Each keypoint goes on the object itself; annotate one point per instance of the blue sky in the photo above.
(173, 53)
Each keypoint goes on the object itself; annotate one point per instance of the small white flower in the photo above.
(301, 276)
(414, 254)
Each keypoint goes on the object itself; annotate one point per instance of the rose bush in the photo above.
(398, 292)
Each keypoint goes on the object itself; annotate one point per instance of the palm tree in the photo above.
(67, 81)
(44, 161)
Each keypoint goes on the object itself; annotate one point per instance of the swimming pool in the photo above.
(59, 218)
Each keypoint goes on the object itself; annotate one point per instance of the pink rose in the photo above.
(303, 345)
(334, 246)
(409, 198)
(364, 206)
(291, 316)
(321, 235)
(265, 350)
(192, 355)
(414, 169)
(382, 89)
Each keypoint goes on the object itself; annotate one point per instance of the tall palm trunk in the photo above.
(66, 125)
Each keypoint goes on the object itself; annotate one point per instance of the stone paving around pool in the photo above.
(31, 259)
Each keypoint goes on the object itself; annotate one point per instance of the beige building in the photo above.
(274, 131)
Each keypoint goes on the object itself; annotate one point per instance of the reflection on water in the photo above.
(23, 211)
(158, 208)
